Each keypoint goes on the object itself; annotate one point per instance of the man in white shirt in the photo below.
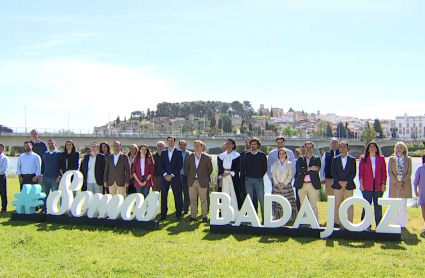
(274, 156)
(92, 167)
(198, 169)
(171, 163)
(4, 164)
(344, 170)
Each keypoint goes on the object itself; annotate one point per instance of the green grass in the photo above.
(188, 250)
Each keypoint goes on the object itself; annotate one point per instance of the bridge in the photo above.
(212, 142)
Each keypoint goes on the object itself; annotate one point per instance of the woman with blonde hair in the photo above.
(283, 175)
(400, 172)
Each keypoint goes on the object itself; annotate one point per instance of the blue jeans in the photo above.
(143, 190)
(47, 185)
(256, 185)
(372, 196)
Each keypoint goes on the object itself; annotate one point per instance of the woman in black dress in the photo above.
(70, 159)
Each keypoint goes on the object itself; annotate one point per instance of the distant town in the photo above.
(240, 118)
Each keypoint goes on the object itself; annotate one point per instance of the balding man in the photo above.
(326, 170)
(117, 171)
(92, 168)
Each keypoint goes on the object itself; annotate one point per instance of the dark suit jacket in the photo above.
(99, 168)
(120, 173)
(174, 166)
(348, 174)
(302, 171)
(204, 170)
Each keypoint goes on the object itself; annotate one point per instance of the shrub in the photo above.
(322, 194)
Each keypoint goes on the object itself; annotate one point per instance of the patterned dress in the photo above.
(284, 173)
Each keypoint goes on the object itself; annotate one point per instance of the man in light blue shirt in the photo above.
(274, 156)
(29, 166)
(4, 163)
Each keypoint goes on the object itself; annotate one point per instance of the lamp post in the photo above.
(68, 123)
(25, 119)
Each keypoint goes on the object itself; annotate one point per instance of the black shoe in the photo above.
(192, 219)
(162, 218)
(205, 220)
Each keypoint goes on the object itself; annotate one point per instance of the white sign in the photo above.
(221, 202)
(98, 205)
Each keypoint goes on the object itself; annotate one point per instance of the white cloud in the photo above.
(88, 91)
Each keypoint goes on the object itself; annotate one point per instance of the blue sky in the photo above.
(87, 59)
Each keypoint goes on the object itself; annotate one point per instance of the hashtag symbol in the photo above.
(29, 198)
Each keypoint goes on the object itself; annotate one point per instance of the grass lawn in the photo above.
(188, 250)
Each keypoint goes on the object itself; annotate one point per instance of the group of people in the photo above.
(239, 174)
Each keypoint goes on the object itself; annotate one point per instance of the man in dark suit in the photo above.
(242, 175)
(117, 171)
(308, 180)
(183, 184)
(343, 171)
(92, 168)
(171, 165)
(198, 169)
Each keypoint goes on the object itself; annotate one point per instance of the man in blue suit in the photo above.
(170, 165)
(344, 170)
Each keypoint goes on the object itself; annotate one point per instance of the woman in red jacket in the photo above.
(373, 177)
(142, 170)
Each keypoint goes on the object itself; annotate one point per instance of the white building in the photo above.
(329, 117)
(410, 127)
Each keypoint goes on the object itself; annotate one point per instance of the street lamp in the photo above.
(68, 123)
(25, 119)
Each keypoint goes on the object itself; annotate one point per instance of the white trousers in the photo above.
(227, 187)
(401, 216)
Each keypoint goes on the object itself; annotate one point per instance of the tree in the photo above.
(369, 134)
(329, 132)
(244, 129)
(267, 126)
(341, 130)
(125, 119)
(291, 110)
(378, 128)
(250, 127)
(213, 122)
(148, 112)
(289, 131)
(225, 123)
(117, 121)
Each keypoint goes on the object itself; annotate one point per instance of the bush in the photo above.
(14, 150)
(322, 194)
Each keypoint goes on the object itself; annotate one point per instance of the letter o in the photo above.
(343, 216)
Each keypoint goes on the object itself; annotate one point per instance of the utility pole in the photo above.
(25, 119)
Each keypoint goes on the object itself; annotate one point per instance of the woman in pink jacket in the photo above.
(142, 170)
(373, 177)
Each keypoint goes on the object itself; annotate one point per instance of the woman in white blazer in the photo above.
(283, 174)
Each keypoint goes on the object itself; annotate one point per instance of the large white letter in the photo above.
(343, 216)
(227, 211)
(247, 214)
(133, 200)
(105, 205)
(393, 206)
(65, 193)
(309, 219)
(268, 205)
(149, 209)
(82, 198)
(330, 218)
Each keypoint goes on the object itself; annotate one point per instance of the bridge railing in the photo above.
(58, 132)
